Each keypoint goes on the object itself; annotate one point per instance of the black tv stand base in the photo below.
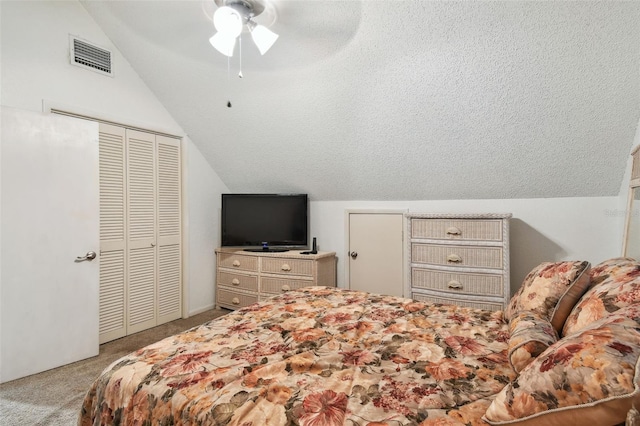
(267, 250)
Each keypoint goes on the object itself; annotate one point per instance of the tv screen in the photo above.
(251, 220)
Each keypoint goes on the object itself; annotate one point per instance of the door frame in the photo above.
(347, 237)
(55, 107)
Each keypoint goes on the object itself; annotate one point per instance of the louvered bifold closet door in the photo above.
(112, 233)
(141, 219)
(169, 238)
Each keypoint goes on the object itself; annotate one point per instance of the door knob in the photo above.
(353, 254)
(89, 256)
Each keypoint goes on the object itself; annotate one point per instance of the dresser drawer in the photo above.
(238, 261)
(457, 255)
(476, 304)
(457, 229)
(276, 265)
(244, 282)
(457, 282)
(235, 300)
(276, 285)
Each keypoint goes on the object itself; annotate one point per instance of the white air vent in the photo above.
(87, 55)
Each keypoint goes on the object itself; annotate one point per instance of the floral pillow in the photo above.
(615, 283)
(551, 290)
(529, 336)
(587, 377)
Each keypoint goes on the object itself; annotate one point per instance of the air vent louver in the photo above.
(90, 56)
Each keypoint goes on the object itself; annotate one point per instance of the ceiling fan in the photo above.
(229, 20)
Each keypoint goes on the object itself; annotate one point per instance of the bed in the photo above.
(566, 349)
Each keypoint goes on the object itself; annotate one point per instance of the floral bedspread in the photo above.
(318, 357)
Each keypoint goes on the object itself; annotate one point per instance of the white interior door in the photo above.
(50, 216)
(375, 252)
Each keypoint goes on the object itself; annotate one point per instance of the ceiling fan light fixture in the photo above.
(223, 43)
(228, 21)
(263, 37)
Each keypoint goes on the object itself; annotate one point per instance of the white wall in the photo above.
(35, 68)
(540, 230)
(204, 203)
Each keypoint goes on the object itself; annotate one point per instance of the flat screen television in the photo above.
(265, 222)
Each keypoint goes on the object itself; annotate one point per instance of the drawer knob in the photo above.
(285, 267)
(235, 301)
(235, 281)
(452, 230)
(453, 284)
(286, 288)
(454, 258)
(236, 263)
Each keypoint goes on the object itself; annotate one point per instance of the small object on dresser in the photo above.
(314, 248)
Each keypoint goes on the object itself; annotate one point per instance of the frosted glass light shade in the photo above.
(223, 43)
(228, 21)
(263, 38)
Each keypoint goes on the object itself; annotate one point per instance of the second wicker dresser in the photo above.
(460, 259)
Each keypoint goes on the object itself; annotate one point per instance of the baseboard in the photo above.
(202, 309)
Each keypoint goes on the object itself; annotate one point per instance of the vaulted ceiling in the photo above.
(400, 100)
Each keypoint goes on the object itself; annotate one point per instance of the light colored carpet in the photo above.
(55, 397)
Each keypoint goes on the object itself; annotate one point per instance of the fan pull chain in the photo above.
(229, 79)
(240, 45)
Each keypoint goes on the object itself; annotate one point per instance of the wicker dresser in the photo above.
(245, 277)
(459, 259)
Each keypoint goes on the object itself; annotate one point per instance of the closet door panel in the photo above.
(112, 296)
(112, 233)
(141, 289)
(169, 290)
(141, 219)
(141, 185)
(168, 190)
(169, 225)
(140, 231)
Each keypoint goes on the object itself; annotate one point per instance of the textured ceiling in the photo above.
(400, 100)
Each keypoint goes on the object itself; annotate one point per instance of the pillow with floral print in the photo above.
(586, 378)
(529, 336)
(615, 284)
(551, 290)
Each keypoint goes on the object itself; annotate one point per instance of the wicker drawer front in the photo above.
(457, 229)
(277, 286)
(244, 282)
(287, 266)
(238, 261)
(457, 282)
(487, 306)
(467, 256)
(235, 300)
